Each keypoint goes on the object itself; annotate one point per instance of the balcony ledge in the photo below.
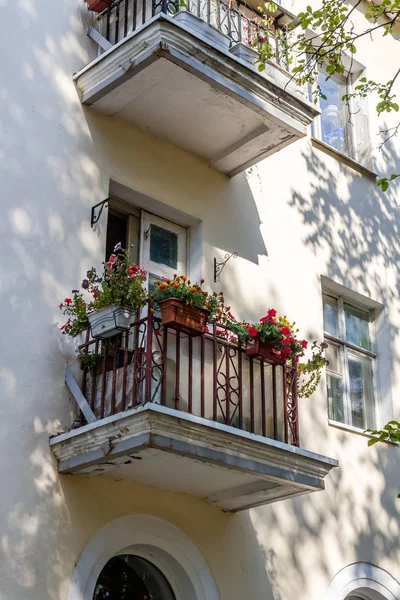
(155, 445)
(196, 94)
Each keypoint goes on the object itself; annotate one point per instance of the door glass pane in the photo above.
(336, 410)
(361, 391)
(331, 316)
(163, 246)
(334, 117)
(357, 326)
(116, 231)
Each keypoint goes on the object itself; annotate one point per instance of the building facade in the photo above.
(208, 480)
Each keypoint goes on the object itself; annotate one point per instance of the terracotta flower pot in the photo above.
(98, 5)
(259, 349)
(175, 313)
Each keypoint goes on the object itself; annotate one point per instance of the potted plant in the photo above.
(186, 305)
(273, 338)
(117, 294)
(98, 5)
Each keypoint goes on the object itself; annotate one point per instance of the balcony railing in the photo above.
(209, 376)
(235, 19)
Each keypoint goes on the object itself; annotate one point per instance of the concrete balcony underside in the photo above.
(197, 95)
(168, 449)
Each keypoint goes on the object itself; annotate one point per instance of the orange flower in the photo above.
(176, 284)
(158, 282)
(201, 280)
(183, 277)
(192, 290)
(163, 286)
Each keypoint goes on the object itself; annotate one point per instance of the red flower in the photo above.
(252, 332)
(60, 306)
(285, 352)
(304, 344)
(271, 313)
(285, 331)
(68, 301)
(285, 342)
(132, 271)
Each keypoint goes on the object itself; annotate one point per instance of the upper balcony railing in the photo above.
(209, 376)
(237, 20)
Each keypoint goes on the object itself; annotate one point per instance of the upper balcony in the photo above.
(189, 414)
(189, 77)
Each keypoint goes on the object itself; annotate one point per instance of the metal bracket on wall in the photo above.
(95, 218)
(219, 266)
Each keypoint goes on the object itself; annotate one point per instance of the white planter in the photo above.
(109, 321)
(203, 30)
(245, 53)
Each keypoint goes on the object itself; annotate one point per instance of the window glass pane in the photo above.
(361, 391)
(336, 410)
(333, 356)
(334, 117)
(163, 246)
(331, 316)
(357, 326)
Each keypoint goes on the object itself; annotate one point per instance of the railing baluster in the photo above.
(202, 344)
(251, 395)
(215, 350)
(285, 406)
(208, 11)
(164, 367)
(227, 385)
(134, 14)
(117, 24)
(240, 385)
(84, 373)
(114, 375)
(108, 25)
(274, 404)
(177, 368)
(149, 355)
(126, 18)
(190, 375)
(137, 354)
(144, 11)
(125, 371)
(94, 379)
(263, 408)
(104, 379)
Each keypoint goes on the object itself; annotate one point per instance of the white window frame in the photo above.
(345, 347)
(347, 80)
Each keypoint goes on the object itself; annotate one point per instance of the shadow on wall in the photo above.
(357, 226)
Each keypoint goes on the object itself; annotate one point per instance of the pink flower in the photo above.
(132, 271)
(111, 261)
(252, 332)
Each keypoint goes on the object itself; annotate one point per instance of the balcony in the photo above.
(188, 414)
(188, 76)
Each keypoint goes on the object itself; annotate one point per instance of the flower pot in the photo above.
(110, 321)
(98, 5)
(245, 53)
(259, 349)
(175, 313)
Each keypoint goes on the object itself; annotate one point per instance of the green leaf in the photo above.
(373, 441)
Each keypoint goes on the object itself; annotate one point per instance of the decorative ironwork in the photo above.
(219, 266)
(95, 218)
(208, 376)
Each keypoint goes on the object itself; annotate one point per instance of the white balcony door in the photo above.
(163, 248)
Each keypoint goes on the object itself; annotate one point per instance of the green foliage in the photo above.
(310, 373)
(390, 433)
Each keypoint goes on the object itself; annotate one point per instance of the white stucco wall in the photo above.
(298, 215)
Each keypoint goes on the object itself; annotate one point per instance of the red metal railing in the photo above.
(208, 375)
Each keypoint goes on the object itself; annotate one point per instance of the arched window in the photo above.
(129, 577)
(363, 581)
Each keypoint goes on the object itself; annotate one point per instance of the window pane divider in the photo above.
(349, 345)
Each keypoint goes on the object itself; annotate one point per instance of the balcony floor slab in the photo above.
(172, 450)
(199, 96)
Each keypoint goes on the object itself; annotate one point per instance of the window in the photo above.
(350, 374)
(334, 120)
(343, 125)
(128, 576)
